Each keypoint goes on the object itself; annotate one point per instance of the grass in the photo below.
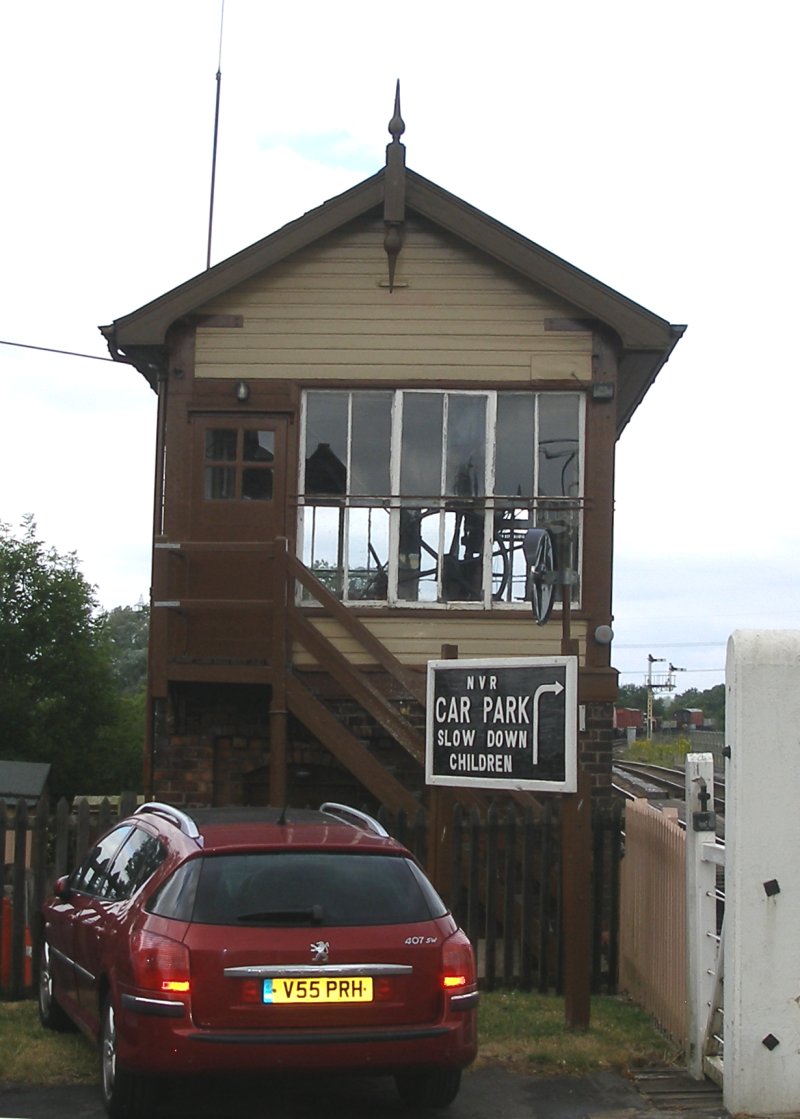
(31, 1054)
(521, 1032)
(527, 1033)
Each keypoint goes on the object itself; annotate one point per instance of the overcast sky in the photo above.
(651, 144)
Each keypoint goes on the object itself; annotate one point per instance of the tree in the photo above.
(58, 699)
(635, 695)
(126, 629)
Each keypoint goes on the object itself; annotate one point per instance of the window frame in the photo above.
(540, 509)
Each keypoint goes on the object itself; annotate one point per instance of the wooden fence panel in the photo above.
(505, 885)
(652, 942)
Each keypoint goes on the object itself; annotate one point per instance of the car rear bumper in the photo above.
(150, 1041)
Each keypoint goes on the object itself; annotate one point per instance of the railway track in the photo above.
(640, 779)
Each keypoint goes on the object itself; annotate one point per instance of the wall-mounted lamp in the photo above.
(603, 390)
(242, 391)
(604, 635)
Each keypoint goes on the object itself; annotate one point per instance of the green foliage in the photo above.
(711, 702)
(669, 753)
(125, 628)
(59, 699)
(635, 695)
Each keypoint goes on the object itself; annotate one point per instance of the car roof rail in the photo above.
(353, 815)
(180, 819)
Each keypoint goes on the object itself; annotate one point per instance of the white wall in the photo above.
(762, 833)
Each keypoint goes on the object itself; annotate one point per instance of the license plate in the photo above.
(317, 990)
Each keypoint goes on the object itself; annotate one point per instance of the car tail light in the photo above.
(160, 964)
(458, 963)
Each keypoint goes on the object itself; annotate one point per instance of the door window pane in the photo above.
(219, 482)
(221, 444)
(259, 446)
(257, 484)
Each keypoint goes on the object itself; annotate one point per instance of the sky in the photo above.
(651, 144)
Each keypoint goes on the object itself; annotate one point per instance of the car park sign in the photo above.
(503, 724)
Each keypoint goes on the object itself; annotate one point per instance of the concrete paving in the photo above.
(486, 1093)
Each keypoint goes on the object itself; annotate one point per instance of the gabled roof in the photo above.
(646, 339)
(23, 780)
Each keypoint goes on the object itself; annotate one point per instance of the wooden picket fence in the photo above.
(505, 891)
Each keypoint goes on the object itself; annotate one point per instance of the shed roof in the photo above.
(646, 340)
(23, 780)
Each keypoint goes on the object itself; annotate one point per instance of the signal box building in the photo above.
(359, 418)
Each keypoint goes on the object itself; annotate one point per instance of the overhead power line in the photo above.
(52, 350)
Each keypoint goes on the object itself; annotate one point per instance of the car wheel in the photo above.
(51, 1014)
(435, 1087)
(126, 1095)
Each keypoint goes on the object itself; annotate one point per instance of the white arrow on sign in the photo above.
(554, 689)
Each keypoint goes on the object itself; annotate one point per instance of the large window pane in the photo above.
(514, 441)
(559, 446)
(326, 443)
(323, 538)
(371, 443)
(421, 452)
(418, 558)
(466, 445)
(447, 536)
(462, 556)
(368, 553)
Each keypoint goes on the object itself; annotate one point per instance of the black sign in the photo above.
(503, 724)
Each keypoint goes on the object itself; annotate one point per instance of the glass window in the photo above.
(326, 443)
(90, 875)
(425, 497)
(238, 464)
(515, 463)
(370, 452)
(421, 451)
(466, 445)
(312, 890)
(139, 856)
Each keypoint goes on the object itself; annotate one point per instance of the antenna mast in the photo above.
(216, 134)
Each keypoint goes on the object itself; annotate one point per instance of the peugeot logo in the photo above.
(319, 951)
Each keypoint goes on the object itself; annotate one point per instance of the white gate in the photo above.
(749, 1039)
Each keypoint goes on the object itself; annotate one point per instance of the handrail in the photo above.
(356, 628)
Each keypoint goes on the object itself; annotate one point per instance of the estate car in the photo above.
(257, 940)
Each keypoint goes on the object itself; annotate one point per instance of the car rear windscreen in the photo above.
(300, 890)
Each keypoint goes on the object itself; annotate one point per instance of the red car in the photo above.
(241, 940)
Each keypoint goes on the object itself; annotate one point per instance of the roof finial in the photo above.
(396, 124)
(394, 189)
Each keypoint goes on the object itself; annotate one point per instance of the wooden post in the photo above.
(278, 781)
(440, 831)
(576, 872)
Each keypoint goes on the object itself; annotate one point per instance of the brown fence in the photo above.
(505, 870)
(652, 945)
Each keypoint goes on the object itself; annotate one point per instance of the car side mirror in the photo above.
(62, 888)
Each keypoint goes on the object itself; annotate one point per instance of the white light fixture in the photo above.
(242, 391)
